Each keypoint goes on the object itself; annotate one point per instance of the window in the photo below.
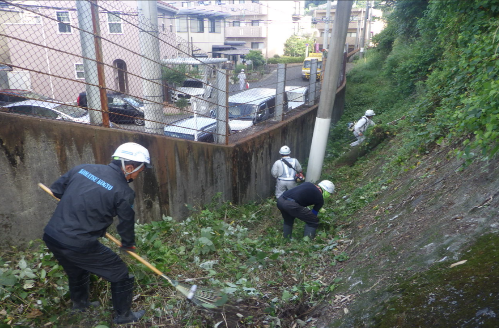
(255, 23)
(80, 72)
(197, 25)
(257, 45)
(181, 24)
(215, 26)
(352, 34)
(114, 21)
(236, 23)
(255, 1)
(242, 1)
(354, 18)
(63, 22)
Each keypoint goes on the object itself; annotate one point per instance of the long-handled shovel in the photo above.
(206, 298)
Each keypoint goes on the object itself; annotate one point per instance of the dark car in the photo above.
(123, 108)
(9, 96)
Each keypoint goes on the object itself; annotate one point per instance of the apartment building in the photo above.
(356, 30)
(253, 24)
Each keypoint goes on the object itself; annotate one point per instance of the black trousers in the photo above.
(101, 261)
(291, 210)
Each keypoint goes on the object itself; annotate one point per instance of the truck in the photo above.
(307, 63)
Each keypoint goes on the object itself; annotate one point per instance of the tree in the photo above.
(295, 46)
(256, 58)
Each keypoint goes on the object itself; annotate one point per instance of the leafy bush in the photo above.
(256, 58)
(285, 60)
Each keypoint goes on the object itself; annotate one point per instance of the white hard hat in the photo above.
(132, 151)
(327, 186)
(242, 70)
(369, 112)
(285, 150)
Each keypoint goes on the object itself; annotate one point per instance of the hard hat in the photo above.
(285, 150)
(369, 112)
(327, 187)
(242, 70)
(132, 151)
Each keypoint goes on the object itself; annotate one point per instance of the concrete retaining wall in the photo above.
(34, 150)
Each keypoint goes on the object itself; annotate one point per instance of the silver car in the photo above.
(49, 110)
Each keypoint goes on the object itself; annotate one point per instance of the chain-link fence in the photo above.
(104, 63)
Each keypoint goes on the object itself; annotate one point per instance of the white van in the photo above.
(297, 96)
(252, 106)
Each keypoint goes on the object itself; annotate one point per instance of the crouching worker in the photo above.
(361, 126)
(90, 196)
(293, 204)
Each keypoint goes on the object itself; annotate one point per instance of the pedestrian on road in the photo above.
(361, 126)
(294, 203)
(90, 196)
(242, 80)
(284, 171)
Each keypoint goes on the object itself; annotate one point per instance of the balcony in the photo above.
(246, 32)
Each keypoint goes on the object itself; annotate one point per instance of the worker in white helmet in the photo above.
(361, 126)
(294, 203)
(285, 170)
(90, 196)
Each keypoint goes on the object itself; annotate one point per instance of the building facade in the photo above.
(44, 39)
(254, 24)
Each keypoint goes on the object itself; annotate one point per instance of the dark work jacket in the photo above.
(90, 196)
(306, 194)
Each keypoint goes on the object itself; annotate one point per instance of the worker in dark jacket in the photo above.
(294, 203)
(90, 196)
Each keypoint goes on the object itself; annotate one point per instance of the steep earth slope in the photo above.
(403, 245)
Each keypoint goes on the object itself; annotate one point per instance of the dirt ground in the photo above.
(427, 216)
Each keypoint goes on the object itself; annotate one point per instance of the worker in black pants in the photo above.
(90, 196)
(294, 203)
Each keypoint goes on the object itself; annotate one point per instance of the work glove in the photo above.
(127, 248)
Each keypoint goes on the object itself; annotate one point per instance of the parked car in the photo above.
(297, 96)
(252, 106)
(9, 96)
(122, 108)
(196, 128)
(192, 88)
(48, 110)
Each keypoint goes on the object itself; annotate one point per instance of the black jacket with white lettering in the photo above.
(90, 196)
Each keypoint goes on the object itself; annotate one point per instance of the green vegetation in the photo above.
(223, 245)
(175, 75)
(285, 60)
(256, 58)
(295, 46)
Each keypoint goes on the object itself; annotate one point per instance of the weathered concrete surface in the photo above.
(35, 150)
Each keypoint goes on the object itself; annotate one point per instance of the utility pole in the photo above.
(364, 31)
(329, 86)
(326, 27)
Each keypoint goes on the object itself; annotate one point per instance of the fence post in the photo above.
(313, 80)
(281, 89)
(84, 10)
(221, 114)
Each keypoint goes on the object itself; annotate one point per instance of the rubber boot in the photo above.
(287, 230)
(122, 293)
(79, 290)
(309, 232)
